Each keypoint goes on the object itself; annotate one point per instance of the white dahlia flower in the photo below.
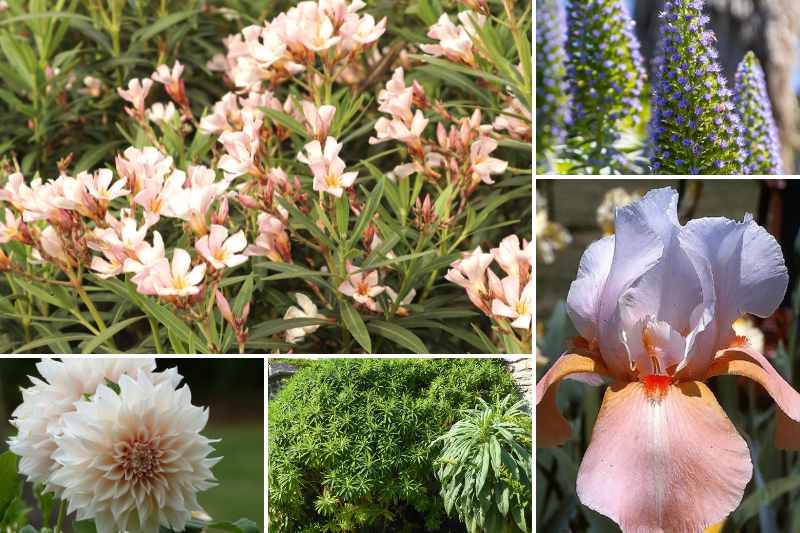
(134, 460)
(62, 383)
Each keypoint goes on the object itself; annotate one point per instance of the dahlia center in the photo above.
(362, 289)
(140, 459)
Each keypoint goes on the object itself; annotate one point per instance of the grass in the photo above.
(240, 493)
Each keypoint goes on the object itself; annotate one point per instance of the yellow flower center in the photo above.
(332, 181)
(180, 283)
(521, 307)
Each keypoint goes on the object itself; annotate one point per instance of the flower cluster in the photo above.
(605, 77)
(508, 299)
(462, 153)
(762, 149)
(117, 440)
(694, 128)
(69, 223)
(330, 31)
(552, 109)
(455, 41)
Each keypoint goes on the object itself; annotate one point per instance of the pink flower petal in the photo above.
(746, 362)
(663, 459)
(551, 427)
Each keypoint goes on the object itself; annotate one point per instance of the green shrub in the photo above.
(349, 441)
(485, 468)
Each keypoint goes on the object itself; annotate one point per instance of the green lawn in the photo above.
(240, 493)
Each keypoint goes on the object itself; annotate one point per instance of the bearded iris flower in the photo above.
(654, 305)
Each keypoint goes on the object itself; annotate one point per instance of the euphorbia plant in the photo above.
(270, 220)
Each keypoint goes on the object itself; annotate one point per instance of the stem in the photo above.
(155, 335)
(92, 309)
(60, 521)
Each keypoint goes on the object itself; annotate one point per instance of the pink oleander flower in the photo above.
(318, 119)
(157, 198)
(455, 42)
(160, 112)
(132, 458)
(136, 94)
(513, 303)
(516, 119)
(177, 278)
(318, 33)
(92, 86)
(141, 166)
(52, 246)
(272, 241)
(15, 191)
(120, 242)
(10, 228)
(241, 147)
(225, 116)
(483, 166)
(220, 250)
(409, 133)
(99, 186)
(327, 167)
(394, 299)
(170, 78)
(144, 265)
(654, 305)
(469, 272)
(514, 258)
(307, 309)
(362, 287)
(52, 394)
(193, 204)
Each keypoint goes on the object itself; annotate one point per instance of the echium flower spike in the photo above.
(552, 109)
(606, 77)
(761, 140)
(695, 128)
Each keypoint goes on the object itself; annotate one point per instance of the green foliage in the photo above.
(485, 467)
(349, 441)
(13, 511)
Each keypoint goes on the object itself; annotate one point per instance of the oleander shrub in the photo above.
(349, 441)
(195, 177)
(485, 467)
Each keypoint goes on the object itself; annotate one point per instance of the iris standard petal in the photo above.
(584, 293)
(663, 458)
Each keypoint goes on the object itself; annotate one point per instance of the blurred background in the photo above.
(233, 390)
(571, 214)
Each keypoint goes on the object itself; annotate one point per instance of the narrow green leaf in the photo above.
(109, 333)
(398, 335)
(355, 325)
(162, 24)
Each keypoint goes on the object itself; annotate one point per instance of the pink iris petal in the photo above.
(663, 460)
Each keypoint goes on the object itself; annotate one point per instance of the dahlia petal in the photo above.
(680, 467)
(551, 427)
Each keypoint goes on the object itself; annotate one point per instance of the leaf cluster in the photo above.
(485, 467)
(349, 441)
